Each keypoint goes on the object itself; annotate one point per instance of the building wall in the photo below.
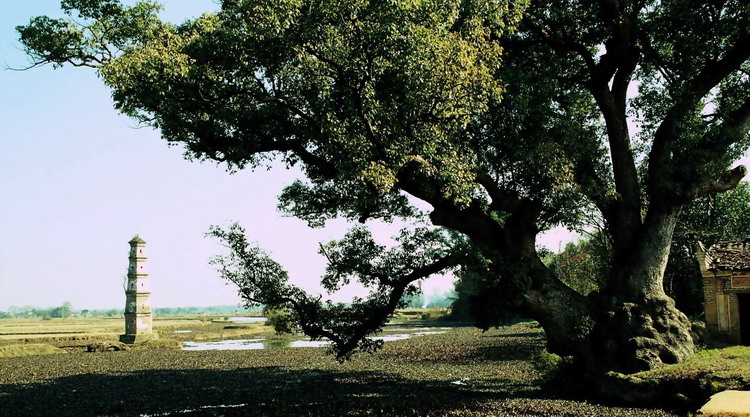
(711, 302)
(721, 306)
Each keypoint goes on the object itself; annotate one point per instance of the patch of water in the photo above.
(246, 319)
(253, 344)
(462, 381)
(411, 329)
(309, 343)
(192, 410)
(239, 344)
(392, 337)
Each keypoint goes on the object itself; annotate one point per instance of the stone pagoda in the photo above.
(138, 316)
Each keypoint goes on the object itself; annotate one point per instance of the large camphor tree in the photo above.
(507, 117)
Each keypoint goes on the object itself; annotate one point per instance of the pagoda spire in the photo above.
(138, 315)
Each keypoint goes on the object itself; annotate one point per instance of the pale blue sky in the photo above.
(77, 181)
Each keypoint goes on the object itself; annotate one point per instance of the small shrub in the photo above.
(436, 314)
(547, 363)
(556, 370)
(281, 320)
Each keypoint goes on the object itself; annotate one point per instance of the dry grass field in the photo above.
(76, 331)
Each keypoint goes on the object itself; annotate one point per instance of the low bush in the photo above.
(281, 320)
(437, 314)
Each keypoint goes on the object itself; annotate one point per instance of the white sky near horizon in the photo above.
(77, 181)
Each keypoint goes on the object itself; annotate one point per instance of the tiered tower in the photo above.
(138, 317)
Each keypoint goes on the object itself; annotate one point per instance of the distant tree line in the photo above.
(66, 310)
(435, 299)
(183, 311)
(63, 311)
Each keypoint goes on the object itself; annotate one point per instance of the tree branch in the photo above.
(502, 200)
(696, 89)
(560, 45)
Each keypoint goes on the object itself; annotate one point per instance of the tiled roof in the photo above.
(729, 256)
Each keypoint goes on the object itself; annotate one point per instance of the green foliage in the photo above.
(367, 74)
(107, 346)
(584, 265)
(547, 363)
(108, 29)
(723, 216)
(708, 33)
(281, 320)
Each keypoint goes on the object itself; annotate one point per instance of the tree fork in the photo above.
(638, 326)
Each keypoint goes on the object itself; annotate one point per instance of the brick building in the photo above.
(725, 267)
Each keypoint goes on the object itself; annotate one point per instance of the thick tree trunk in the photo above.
(526, 282)
(564, 314)
(637, 324)
(630, 326)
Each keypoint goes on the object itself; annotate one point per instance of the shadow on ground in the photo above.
(266, 390)
(461, 373)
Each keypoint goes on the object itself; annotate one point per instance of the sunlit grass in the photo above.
(80, 331)
(14, 351)
(717, 369)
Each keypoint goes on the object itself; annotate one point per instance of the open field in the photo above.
(462, 372)
(79, 331)
(71, 332)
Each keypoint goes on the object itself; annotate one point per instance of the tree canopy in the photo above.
(507, 116)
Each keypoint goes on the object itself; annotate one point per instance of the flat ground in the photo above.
(462, 372)
(73, 332)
